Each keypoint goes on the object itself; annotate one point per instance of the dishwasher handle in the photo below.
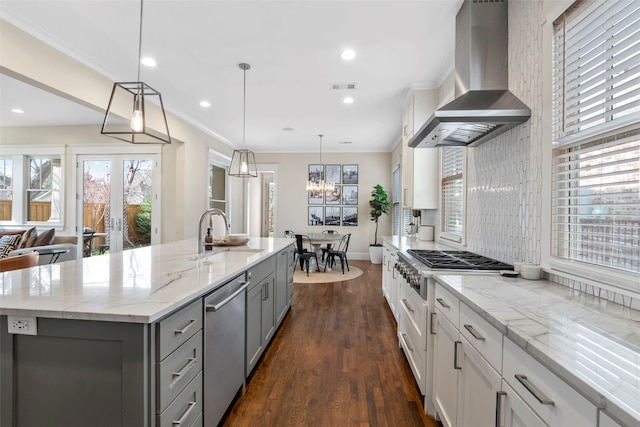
(219, 305)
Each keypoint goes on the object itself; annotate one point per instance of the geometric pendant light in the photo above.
(135, 112)
(243, 162)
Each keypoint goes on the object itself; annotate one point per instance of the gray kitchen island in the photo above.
(121, 339)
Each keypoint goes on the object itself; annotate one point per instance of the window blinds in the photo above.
(452, 190)
(596, 129)
(596, 61)
(596, 203)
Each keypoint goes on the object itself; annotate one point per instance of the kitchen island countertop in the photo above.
(591, 343)
(139, 286)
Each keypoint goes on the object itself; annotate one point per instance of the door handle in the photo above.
(473, 332)
(535, 391)
(112, 225)
(499, 396)
(433, 315)
(119, 224)
(455, 354)
(443, 303)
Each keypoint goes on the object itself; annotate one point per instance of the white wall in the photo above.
(292, 198)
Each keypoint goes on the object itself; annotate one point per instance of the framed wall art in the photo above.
(316, 173)
(316, 215)
(332, 215)
(349, 194)
(332, 173)
(333, 197)
(349, 216)
(316, 197)
(349, 174)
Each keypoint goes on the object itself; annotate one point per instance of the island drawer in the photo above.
(177, 370)
(177, 328)
(186, 408)
(257, 273)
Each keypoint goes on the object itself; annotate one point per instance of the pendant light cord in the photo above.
(244, 103)
(140, 41)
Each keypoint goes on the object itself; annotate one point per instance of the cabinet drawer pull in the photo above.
(433, 322)
(191, 363)
(183, 330)
(473, 332)
(499, 396)
(184, 416)
(455, 355)
(443, 303)
(406, 304)
(407, 343)
(535, 391)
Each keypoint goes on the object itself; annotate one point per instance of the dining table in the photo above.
(319, 239)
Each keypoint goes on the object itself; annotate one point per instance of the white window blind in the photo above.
(452, 190)
(596, 60)
(596, 203)
(596, 129)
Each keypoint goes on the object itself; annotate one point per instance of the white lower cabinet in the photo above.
(606, 421)
(445, 375)
(513, 412)
(553, 400)
(478, 387)
(481, 378)
(389, 279)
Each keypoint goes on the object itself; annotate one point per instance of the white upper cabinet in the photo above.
(419, 166)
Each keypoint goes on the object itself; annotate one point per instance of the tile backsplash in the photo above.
(504, 175)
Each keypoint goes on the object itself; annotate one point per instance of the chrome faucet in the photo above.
(208, 213)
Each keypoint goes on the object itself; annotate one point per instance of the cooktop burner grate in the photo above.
(457, 260)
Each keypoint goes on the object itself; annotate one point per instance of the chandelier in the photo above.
(321, 185)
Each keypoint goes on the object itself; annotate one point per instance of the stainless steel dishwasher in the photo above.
(223, 347)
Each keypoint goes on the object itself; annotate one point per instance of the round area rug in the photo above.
(332, 276)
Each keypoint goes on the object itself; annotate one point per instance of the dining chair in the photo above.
(340, 252)
(305, 252)
(327, 247)
(30, 259)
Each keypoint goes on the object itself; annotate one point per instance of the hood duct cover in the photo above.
(483, 106)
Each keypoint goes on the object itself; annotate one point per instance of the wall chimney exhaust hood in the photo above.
(483, 106)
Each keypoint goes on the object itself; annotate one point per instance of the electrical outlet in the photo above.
(22, 325)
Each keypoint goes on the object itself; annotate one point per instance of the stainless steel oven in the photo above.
(416, 269)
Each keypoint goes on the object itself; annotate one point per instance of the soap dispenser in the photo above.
(208, 240)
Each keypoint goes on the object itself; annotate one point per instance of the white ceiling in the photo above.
(292, 46)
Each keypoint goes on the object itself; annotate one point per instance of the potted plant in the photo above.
(379, 206)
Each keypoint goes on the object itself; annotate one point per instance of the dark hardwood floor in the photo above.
(335, 361)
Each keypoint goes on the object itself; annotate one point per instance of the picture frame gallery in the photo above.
(337, 207)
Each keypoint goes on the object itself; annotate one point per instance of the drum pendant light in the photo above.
(243, 163)
(135, 113)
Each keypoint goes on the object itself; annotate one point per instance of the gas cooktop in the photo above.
(457, 260)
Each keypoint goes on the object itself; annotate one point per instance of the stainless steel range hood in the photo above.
(483, 106)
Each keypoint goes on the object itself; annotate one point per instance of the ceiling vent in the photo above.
(343, 86)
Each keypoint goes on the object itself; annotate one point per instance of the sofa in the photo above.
(30, 240)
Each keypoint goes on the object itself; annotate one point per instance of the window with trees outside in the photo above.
(31, 187)
(596, 137)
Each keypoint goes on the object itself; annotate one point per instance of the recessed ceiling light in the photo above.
(347, 54)
(348, 100)
(149, 62)
(17, 111)
(287, 129)
(205, 104)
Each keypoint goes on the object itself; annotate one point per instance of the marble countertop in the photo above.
(140, 285)
(403, 243)
(592, 343)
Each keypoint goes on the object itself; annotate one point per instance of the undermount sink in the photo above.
(224, 249)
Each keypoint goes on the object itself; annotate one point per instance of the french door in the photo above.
(118, 201)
